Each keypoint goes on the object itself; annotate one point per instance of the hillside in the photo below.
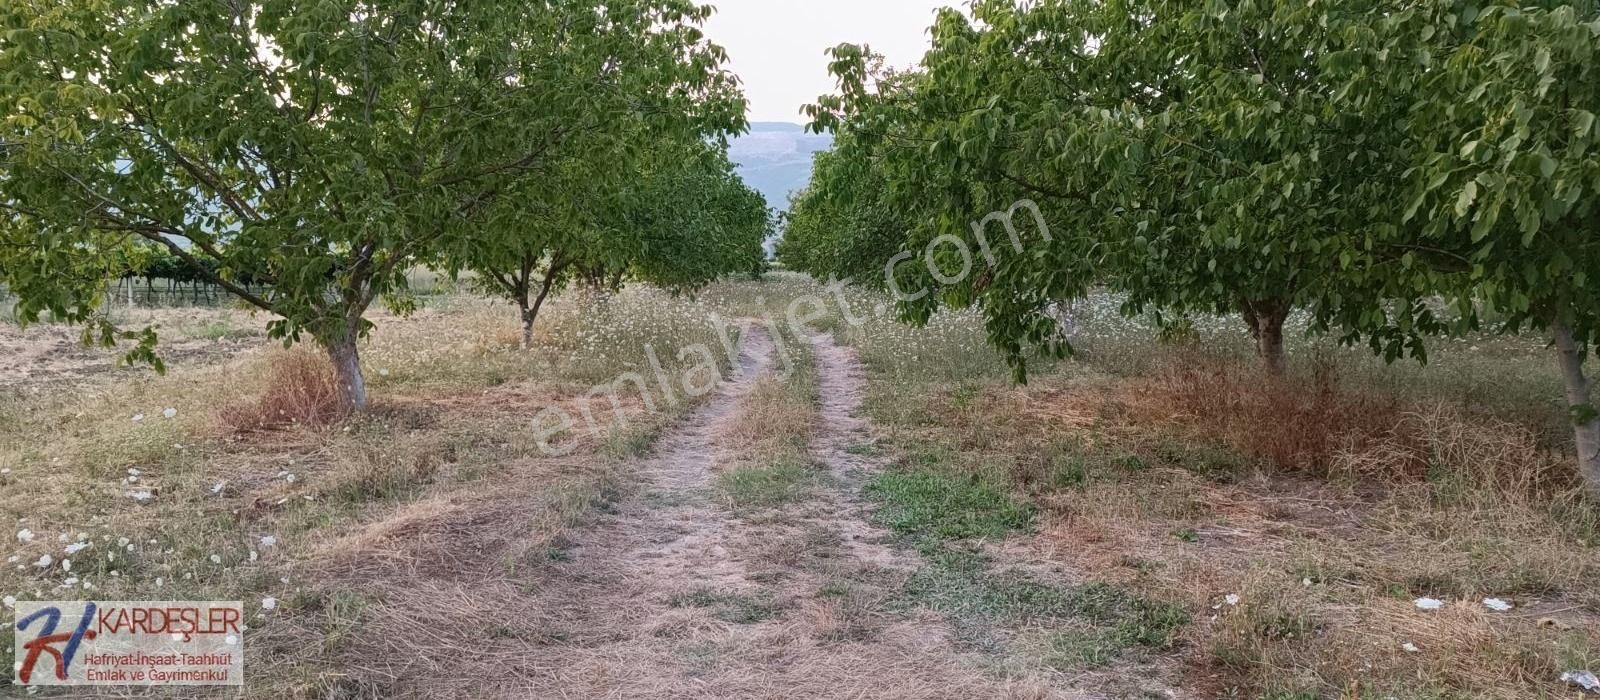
(775, 159)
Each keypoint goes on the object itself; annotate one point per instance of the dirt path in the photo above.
(674, 595)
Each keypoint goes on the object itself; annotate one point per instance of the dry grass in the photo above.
(766, 444)
(301, 390)
(436, 500)
(1327, 503)
(1370, 513)
(1296, 422)
(1313, 423)
(774, 422)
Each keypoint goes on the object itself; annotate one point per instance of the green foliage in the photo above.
(670, 212)
(836, 228)
(1358, 160)
(322, 150)
(1188, 154)
(1504, 173)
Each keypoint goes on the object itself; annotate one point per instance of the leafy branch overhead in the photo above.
(1395, 170)
(321, 149)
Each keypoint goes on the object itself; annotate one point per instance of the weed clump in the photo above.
(301, 390)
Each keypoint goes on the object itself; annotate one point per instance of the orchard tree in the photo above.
(1184, 152)
(695, 219)
(673, 213)
(841, 226)
(319, 149)
(1505, 180)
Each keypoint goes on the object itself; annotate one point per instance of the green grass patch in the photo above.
(1106, 620)
(929, 504)
(960, 585)
(768, 486)
(630, 442)
(737, 608)
(1115, 621)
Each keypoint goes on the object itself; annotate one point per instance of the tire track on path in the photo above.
(673, 595)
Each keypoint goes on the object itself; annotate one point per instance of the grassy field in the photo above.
(1143, 511)
(206, 504)
(1295, 521)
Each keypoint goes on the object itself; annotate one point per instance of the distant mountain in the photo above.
(775, 159)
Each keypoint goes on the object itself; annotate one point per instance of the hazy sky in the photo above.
(776, 46)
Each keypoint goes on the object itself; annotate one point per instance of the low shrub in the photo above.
(300, 390)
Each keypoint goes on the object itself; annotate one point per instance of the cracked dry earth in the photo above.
(675, 595)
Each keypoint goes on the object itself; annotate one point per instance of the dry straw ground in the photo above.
(1147, 521)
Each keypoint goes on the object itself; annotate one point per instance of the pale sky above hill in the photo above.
(776, 46)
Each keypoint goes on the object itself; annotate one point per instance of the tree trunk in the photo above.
(346, 358)
(1585, 420)
(1265, 318)
(530, 311)
(528, 315)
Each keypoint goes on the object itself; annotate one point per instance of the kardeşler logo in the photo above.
(129, 643)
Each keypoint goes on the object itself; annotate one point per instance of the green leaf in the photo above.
(1582, 122)
(1547, 166)
(1469, 194)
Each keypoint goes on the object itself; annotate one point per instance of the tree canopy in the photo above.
(1358, 160)
(320, 149)
(670, 213)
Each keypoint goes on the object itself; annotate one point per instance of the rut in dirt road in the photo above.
(675, 595)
